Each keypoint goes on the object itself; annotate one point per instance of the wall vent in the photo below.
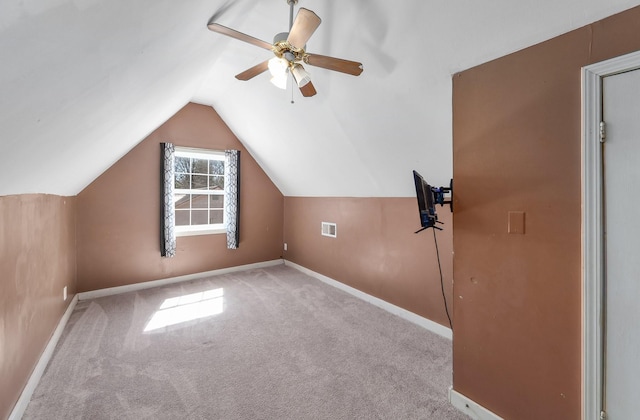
(329, 229)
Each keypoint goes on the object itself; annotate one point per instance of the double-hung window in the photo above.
(199, 191)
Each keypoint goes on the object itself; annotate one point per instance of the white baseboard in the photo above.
(470, 407)
(34, 379)
(163, 282)
(396, 310)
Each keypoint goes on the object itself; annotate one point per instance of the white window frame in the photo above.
(192, 230)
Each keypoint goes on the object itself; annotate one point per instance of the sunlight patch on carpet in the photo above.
(182, 309)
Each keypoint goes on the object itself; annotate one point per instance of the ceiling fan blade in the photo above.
(304, 26)
(215, 27)
(253, 71)
(335, 64)
(308, 90)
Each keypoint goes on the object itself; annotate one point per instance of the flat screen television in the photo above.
(426, 202)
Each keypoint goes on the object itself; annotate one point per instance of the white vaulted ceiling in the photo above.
(83, 81)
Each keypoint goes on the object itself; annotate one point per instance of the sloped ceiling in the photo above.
(83, 81)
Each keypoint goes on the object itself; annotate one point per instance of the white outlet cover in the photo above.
(64, 293)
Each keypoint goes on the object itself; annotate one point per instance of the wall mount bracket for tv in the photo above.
(439, 195)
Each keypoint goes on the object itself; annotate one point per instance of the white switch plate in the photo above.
(285, 246)
(64, 293)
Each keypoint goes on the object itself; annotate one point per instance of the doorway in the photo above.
(611, 232)
(621, 153)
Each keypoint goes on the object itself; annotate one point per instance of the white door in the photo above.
(621, 169)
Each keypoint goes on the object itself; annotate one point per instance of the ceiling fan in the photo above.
(290, 54)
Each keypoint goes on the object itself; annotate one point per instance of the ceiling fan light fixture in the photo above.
(278, 67)
(279, 82)
(300, 74)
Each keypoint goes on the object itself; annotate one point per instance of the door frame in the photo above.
(592, 229)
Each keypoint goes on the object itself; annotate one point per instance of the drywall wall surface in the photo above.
(119, 213)
(37, 260)
(517, 224)
(375, 249)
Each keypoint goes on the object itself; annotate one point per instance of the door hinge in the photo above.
(603, 415)
(603, 131)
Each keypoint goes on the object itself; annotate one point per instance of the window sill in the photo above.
(200, 232)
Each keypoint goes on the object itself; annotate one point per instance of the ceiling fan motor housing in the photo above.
(281, 48)
(282, 36)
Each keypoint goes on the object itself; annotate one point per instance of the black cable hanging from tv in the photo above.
(444, 296)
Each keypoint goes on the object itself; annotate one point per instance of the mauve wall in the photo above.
(376, 250)
(517, 147)
(37, 259)
(119, 222)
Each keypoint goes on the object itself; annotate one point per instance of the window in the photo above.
(199, 191)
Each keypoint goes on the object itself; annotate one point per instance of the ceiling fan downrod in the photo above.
(291, 3)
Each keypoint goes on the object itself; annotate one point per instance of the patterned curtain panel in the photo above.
(232, 197)
(167, 213)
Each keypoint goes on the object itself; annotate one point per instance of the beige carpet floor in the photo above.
(261, 344)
